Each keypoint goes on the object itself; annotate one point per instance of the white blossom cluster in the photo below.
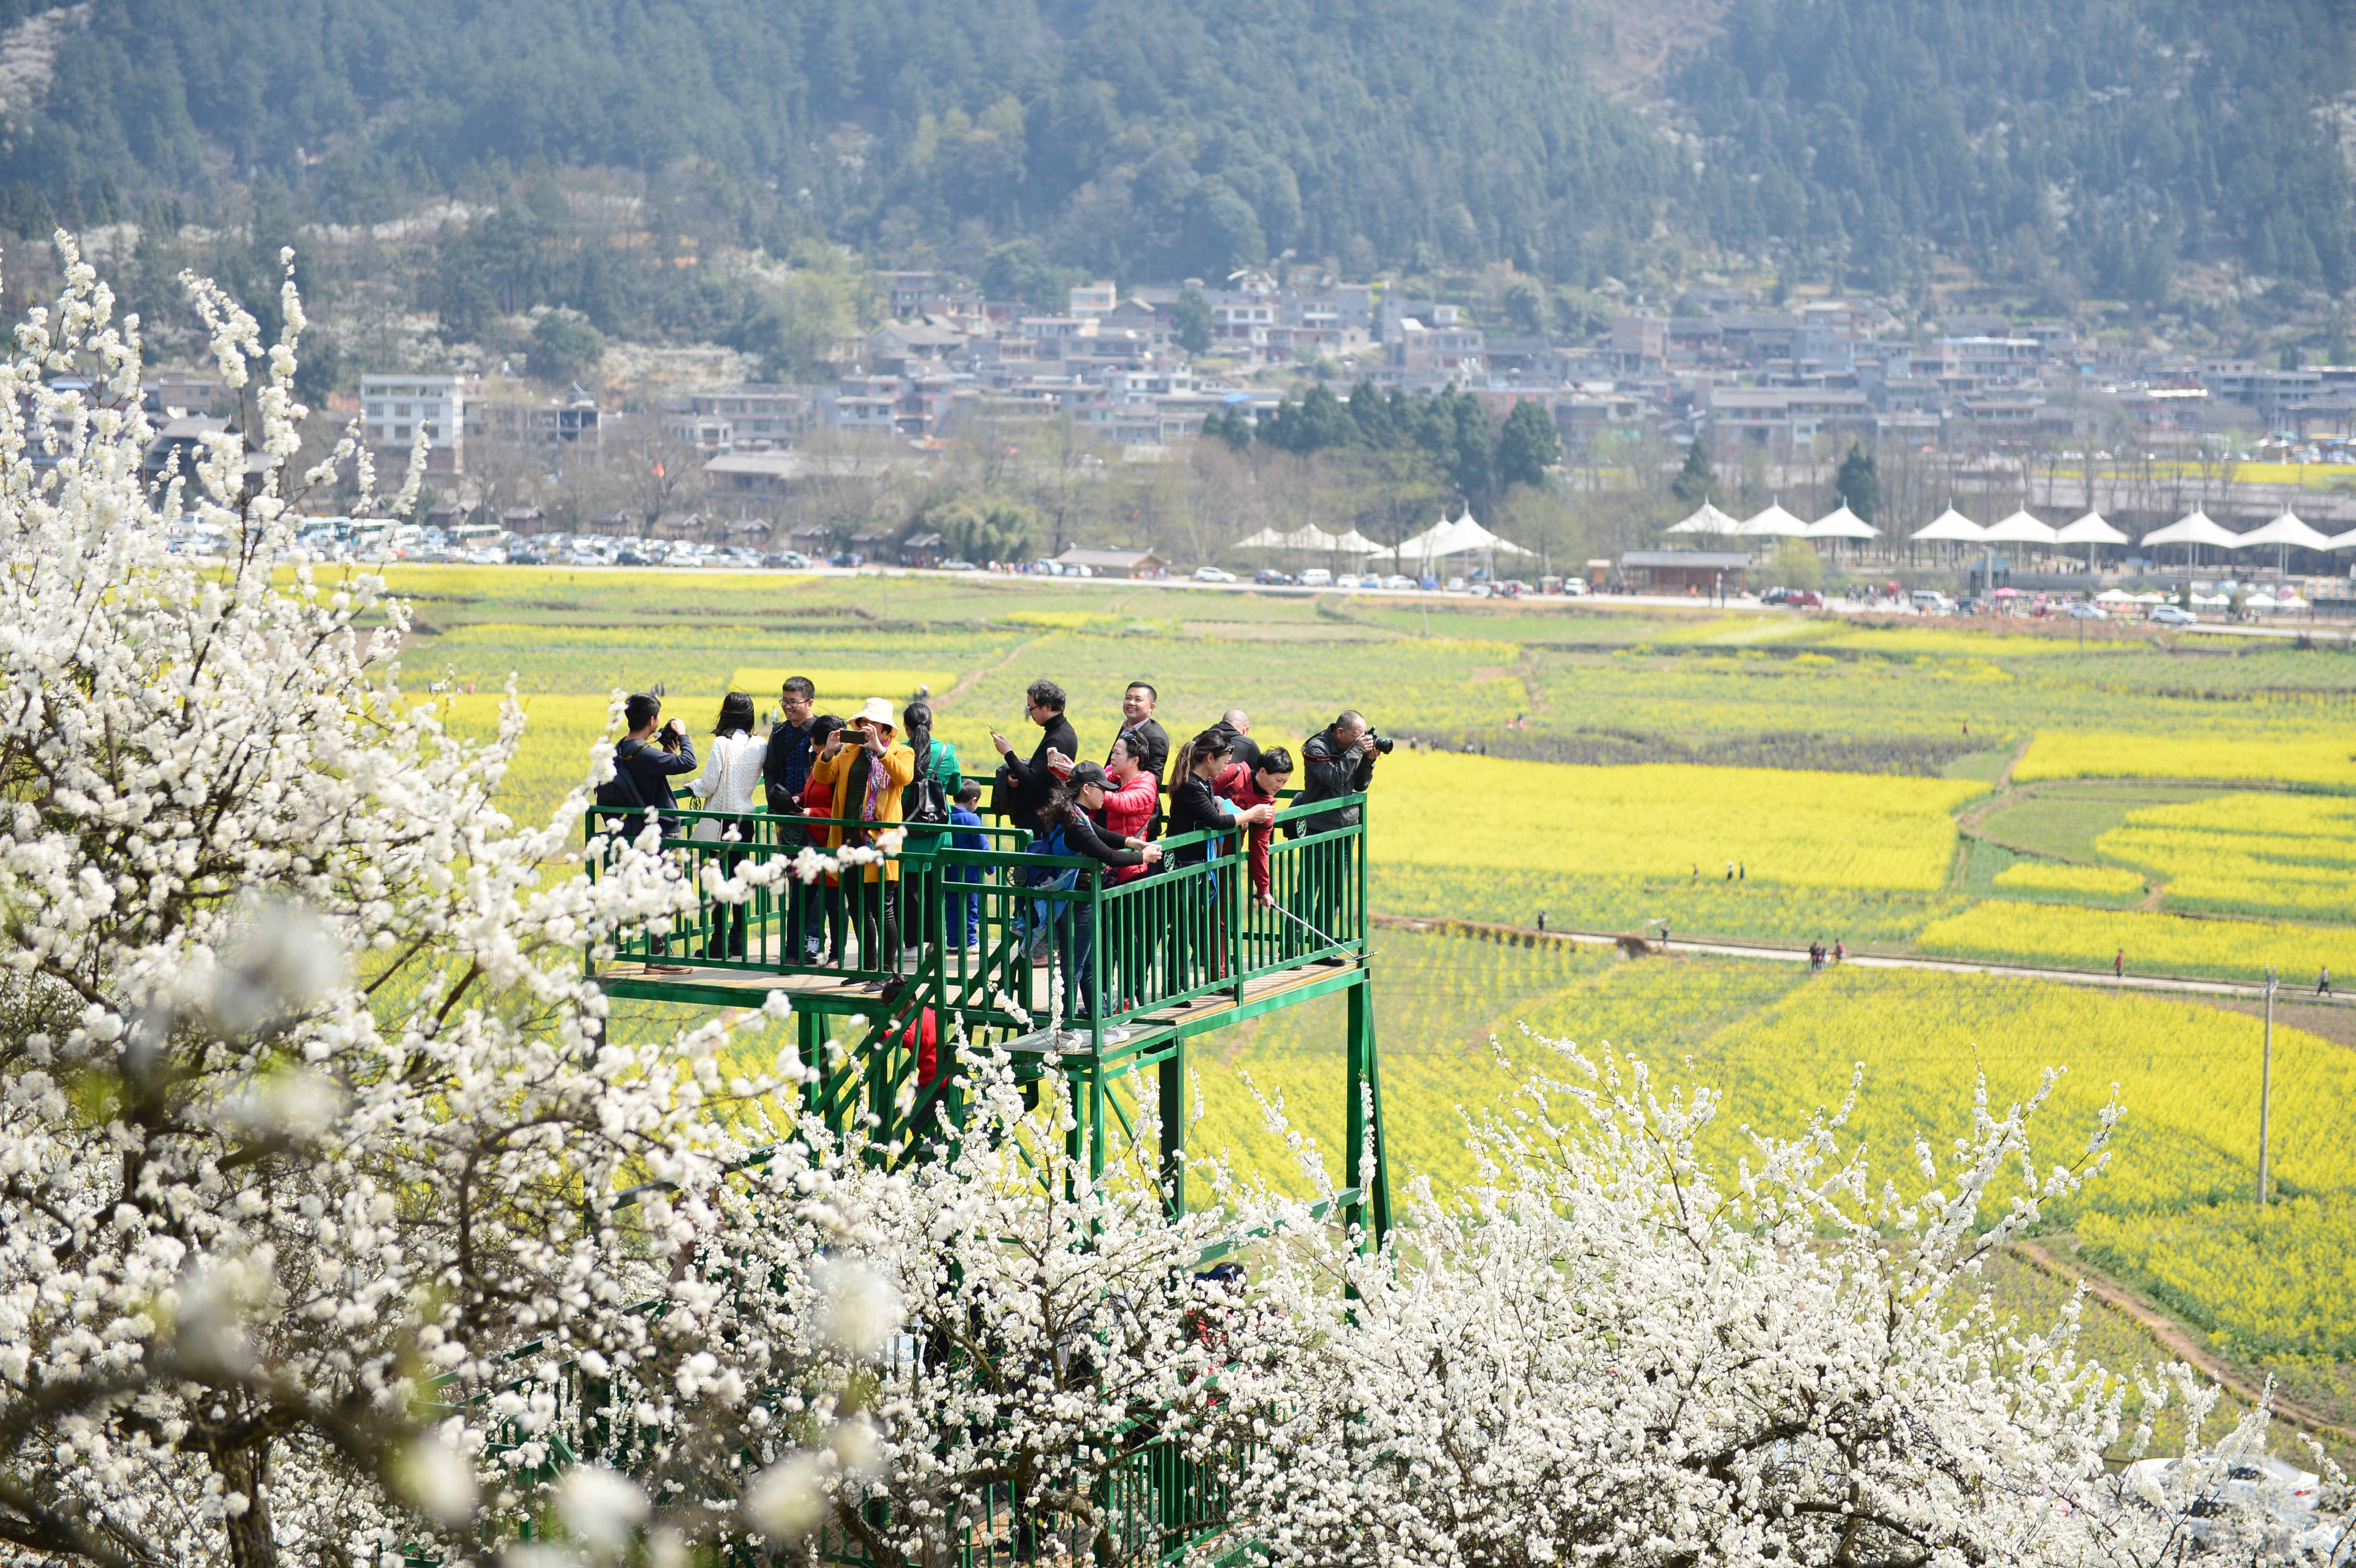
(1608, 1353)
(335, 1227)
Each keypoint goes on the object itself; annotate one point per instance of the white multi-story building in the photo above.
(395, 407)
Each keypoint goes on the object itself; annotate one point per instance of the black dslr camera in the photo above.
(1382, 744)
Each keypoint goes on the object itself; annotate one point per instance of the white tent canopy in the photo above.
(1309, 536)
(2194, 528)
(2288, 530)
(1461, 537)
(1355, 543)
(2114, 596)
(1842, 524)
(2022, 528)
(1471, 536)
(1267, 539)
(1954, 526)
(1709, 520)
(1776, 523)
(2089, 530)
(2342, 541)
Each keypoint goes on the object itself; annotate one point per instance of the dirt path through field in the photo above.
(2170, 1335)
(1719, 947)
(967, 683)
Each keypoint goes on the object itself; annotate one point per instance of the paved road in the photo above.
(2166, 984)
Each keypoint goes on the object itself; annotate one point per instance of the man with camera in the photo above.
(645, 760)
(1339, 760)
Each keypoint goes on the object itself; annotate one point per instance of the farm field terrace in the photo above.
(1630, 756)
(1829, 760)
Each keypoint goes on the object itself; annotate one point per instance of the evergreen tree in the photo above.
(1527, 446)
(1190, 315)
(1859, 483)
(1694, 482)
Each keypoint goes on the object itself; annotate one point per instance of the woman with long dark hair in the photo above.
(1198, 943)
(1071, 828)
(731, 782)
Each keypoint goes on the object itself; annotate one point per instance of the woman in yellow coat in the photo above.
(867, 780)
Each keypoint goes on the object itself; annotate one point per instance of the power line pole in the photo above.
(2265, 1084)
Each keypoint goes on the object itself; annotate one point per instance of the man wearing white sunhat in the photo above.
(868, 776)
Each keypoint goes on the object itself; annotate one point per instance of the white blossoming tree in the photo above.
(1610, 1353)
(335, 1226)
(310, 1122)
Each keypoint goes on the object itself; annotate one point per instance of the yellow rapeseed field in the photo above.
(2266, 1281)
(2076, 937)
(2186, 1074)
(2278, 854)
(1810, 829)
(2329, 761)
(2029, 877)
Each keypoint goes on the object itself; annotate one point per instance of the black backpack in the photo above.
(930, 807)
(620, 793)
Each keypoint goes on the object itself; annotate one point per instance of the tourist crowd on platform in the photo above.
(881, 772)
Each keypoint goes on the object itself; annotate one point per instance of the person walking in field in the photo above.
(2119, 965)
(1840, 950)
(2323, 982)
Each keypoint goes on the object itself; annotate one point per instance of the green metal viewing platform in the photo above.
(1007, 948)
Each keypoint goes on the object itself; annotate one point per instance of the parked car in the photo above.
(1576, 587)
(1971, 605)
(2173, 615)
(631, 557)
(787, 561)
(1269, 577)
(1348, 580)
(1213, 574)
(953, 564)
(1396, 583)
(2082, 611)
(1804, 599)
(1316, 576)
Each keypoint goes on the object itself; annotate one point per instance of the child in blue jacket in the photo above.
(964, 922)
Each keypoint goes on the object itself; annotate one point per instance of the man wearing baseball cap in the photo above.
(867, 778)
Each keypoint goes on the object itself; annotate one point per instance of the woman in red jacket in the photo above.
(1248, 788)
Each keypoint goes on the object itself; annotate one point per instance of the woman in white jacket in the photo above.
(731, 782)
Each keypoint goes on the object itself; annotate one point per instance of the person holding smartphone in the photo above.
(868, 768)
(1031, 782)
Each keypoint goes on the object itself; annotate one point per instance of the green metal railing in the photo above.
(1117, 946)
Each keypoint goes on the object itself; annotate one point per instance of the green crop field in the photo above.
(1961, 794)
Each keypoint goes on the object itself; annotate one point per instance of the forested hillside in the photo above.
(2105, 138)
(2087, 146)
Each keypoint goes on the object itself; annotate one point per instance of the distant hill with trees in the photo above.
(2075, 146)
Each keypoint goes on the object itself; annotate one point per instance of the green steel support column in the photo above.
(1097, 1118)
(1365, 1093)
(809, 1043)
(1173, 1086)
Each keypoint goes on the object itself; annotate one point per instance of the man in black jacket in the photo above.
(785, 771)
(786, 765)
(1031, 781)
(1148, 742)
(1339, 760)
(643, 765)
